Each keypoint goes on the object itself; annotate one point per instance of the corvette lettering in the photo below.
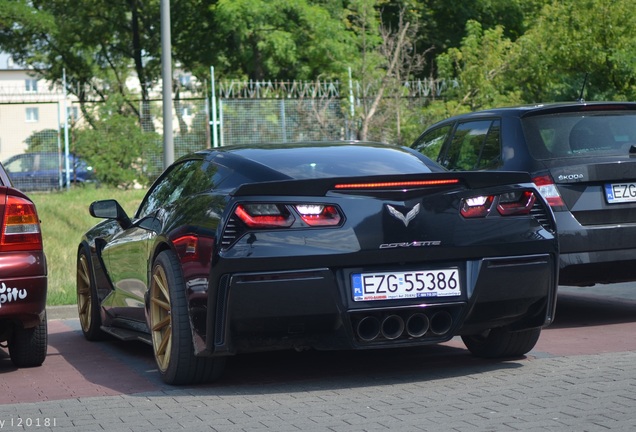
(8, 295)
(410, 244)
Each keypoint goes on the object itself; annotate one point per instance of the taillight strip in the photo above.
(411, 183)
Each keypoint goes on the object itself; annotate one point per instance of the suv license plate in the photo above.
(620, 192)
(405, 285)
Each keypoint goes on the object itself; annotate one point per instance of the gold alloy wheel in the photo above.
(84, 295)
(160, 318)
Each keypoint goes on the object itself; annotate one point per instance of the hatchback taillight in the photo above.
(20, 226)
(549, 191)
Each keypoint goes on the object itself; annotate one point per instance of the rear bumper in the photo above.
(314, 308)
(23, 289)
(595, 254)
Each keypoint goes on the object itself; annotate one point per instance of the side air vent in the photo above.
(233, 230)
(542, 215)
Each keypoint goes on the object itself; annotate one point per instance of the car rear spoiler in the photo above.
(320, 186)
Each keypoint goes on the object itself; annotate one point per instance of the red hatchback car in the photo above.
(23, 278)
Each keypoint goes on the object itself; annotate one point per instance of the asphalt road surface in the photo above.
(581, 376)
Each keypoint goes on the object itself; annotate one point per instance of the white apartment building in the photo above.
(27, 105)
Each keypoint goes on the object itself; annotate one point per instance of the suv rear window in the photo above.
(579, 134)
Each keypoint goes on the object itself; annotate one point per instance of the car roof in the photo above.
(545, 108)
(4, 178)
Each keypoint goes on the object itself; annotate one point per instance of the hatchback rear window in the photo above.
(579, 134)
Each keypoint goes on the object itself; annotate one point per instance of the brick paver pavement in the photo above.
(580, 377)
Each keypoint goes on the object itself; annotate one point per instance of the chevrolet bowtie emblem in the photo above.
(404, 218)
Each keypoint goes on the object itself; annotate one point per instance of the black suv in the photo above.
(582, 156)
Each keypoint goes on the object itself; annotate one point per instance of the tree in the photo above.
(281, 40)
(385, 58)
(575, 38)
(46, 140)
(475, 72)
(98, 43)
(121, 153)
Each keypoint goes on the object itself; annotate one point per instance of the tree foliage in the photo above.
(476, 71)
(46, 140)
(488, 52)
(99, 44)
(283, 40)
(574, 38)
(121, 153)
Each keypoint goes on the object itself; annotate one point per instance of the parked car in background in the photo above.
(582, 157)
(46, 171)
(318, 245)
(23, 278)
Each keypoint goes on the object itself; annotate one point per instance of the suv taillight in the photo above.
(549, 191)
(20, 226)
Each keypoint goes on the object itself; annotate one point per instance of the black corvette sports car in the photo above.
(319, 245)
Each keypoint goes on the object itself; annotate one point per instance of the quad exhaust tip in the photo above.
(393, 326)
(441, 322)
(368, 328)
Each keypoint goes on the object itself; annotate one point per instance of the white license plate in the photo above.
(620, 192)
(405, 285)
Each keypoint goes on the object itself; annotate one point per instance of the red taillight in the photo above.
(508, 204)
(270, 215)
(318, 214)
(264, 215)
(516, 203)
(20, 226)
(549, 191)
(187, 247)
(476, 206)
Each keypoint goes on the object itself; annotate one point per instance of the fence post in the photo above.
(282, 119)
(60, 181)
(66, 143)
(351, 107)
(213, 120)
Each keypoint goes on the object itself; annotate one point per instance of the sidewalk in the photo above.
(61, 312)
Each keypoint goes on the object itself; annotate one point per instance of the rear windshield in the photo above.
(580, 134)
(342, 160)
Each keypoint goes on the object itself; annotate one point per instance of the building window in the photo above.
(32, 115)
(72, 113)
(31, 85)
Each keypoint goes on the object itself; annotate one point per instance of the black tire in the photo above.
(170, 328)
(501, 343)
(27, 347)
(87, 300)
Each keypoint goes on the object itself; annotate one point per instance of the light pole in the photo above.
(166, 77)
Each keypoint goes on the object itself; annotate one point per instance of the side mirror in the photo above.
(110, 209)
